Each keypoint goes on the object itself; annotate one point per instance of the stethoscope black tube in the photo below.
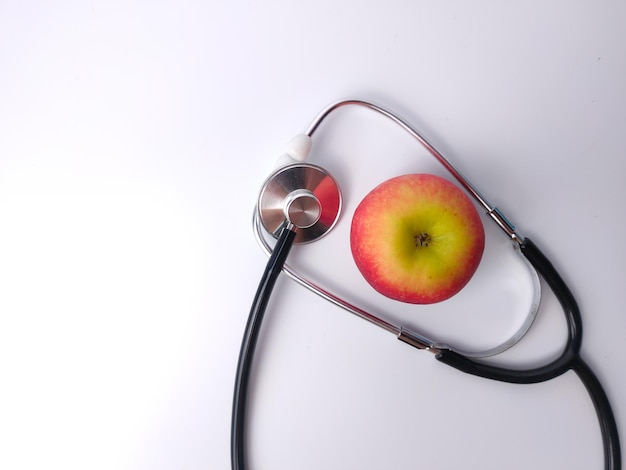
(568, 360)
(248, 344)
(608, 426)
(539, 374)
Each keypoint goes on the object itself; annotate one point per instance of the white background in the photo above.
(134, 137)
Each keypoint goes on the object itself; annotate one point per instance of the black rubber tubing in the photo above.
(248, 344)
(568, 360)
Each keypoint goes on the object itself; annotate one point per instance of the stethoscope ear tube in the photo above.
(568, 360)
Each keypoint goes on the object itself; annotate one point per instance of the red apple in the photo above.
(417, 238)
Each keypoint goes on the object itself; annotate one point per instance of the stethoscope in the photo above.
(300, 202)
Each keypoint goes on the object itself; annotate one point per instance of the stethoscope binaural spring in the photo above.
(300, 202)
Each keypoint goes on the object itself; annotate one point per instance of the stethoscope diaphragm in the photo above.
(304, 195)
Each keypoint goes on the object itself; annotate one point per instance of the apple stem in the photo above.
(423, 239)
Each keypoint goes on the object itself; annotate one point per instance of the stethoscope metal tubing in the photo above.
(401, 332)
(492, 210)
(404, 333)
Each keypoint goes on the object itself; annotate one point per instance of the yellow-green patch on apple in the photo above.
(417, 238)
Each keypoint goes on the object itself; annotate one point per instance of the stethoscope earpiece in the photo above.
(303, 195)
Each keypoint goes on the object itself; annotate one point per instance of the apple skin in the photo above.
(417, 238)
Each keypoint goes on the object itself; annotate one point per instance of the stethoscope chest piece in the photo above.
(303, 195)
